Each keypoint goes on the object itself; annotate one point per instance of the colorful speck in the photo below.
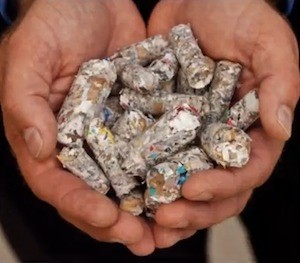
(153, 156)
(181, 169)
(229, 122)
(182, 179)
(152, 191)
(106, 113)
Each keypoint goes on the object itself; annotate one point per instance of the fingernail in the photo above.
(205, 196)
(285, 119)
(33, 141)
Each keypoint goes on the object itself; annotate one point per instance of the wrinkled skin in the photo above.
(48, 46)
(253, 34)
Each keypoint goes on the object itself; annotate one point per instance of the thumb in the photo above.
(29, 116)
(275, 64)
(25, 106)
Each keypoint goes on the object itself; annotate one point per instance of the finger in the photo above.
(127, 31)
(146, 245)
(216, 184)
(25, 95)
(67, 193)
(71, 196)
(127, 230)
(166, 237)
(200, 215)
(275, 65)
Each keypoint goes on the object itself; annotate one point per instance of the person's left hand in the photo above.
(252, 33)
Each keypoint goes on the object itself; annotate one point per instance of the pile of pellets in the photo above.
(145, 119)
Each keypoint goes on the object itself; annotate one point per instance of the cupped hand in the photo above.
(252, 33)
(39, 60)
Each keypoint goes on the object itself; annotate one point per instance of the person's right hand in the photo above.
(39, 60)
(255, 35)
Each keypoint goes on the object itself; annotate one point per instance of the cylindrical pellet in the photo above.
(164, 181)
(226, 145)
(90, 88)
(144, 51)
(129, 125)
(198, 68)
(109, 112)
(183, 86)
(78, 162)
(174, 130)
(158, 104)
(245, 112)
(136, 77)
(132, 123)
(167, 86)
(116, 88)
(102, 143)
(133, 202)
(222, 89)
(171, 132)
(165, 67)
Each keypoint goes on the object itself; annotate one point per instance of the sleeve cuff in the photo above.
(289, 7)
(3, 12)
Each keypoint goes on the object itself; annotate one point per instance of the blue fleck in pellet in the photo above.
(105, 136)
(153, 156)
(181, 170)
(106, 113)
(182, 179)
(152, 191)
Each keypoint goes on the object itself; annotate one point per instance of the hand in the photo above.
(253, 34)
(39, 60)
